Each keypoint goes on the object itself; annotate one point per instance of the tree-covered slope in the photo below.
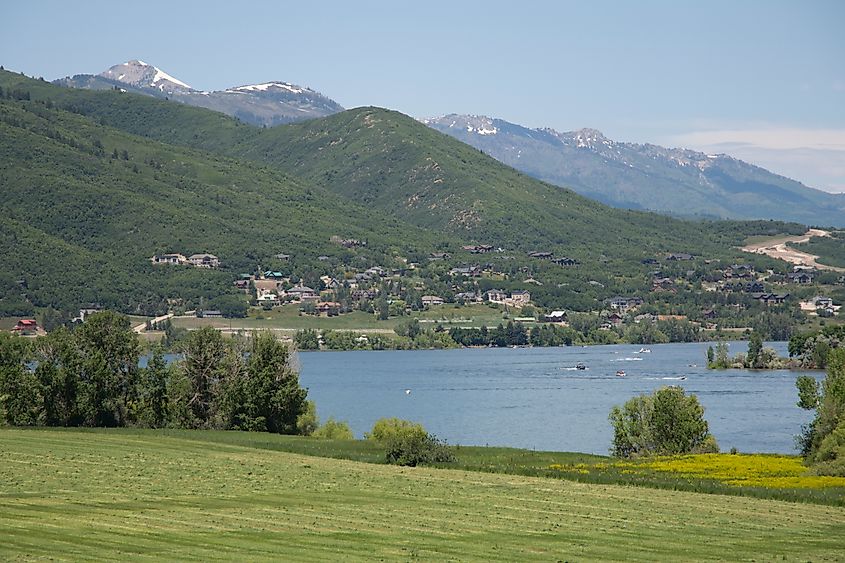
(85, 206)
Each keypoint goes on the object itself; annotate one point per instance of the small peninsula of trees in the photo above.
(667, 422)
(91, 376)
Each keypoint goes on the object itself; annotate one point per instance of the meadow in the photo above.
(102, 494)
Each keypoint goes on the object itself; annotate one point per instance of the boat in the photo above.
(620, 373)
(580, 366)
(644, 351)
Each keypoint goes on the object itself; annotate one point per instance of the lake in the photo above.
(534, 398)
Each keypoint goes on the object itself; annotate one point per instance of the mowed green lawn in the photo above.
(115, 495)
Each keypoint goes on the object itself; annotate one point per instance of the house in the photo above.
(645, 318)
(495, 296)
(284, 257)
(679, 256)
(468, 297)
(429, 300)
(754, 287)
(555, 317)
(330, 282)
(468, 271)
(26, 326)
(615, 319)
(648, 261)
(800, 277)
(709, 314)
(771, 298)
(520, 297)
(377, 271)
(268, 298)
(328, 308)
(302, 293)
(740, 271)
(204, 260)
(662, 284)
(671, 317)
(478, 248)
(819, 304)
(541, 255)
(439, 256)
(347, 242)
(89, 310)
(625, 303)
(169, 259)
(361, 294)
(565, 261)
(213, 314)
(822, 302)
(242, 285)
(271, 275)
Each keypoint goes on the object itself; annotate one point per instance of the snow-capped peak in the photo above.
(140, 74)
(271, 86)
(478, 124)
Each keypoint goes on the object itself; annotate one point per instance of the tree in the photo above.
(154, 398)
(267, 396)
(334, 430)
(204, 354)
(19, 388)
(665, 423)
(823, 441)
(755, 346)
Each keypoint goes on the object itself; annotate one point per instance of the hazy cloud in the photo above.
(815, 157)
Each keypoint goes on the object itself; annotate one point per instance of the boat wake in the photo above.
(627, 360)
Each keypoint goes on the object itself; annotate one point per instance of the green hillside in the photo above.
(106, 179)
(85, 206)
(114, 495)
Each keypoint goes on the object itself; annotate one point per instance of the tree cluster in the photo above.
(823, 440)
(90, 376)
(666, 422)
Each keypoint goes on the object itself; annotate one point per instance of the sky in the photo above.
(762, 80)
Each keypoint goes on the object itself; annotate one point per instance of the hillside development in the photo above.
(114, 495)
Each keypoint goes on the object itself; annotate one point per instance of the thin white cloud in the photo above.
(815, 157)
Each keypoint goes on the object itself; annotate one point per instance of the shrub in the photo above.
(334, 430)
(412, 449)
(665, 423)
(386, 429)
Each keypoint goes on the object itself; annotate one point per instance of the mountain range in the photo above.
(679, 182)
(266, 104)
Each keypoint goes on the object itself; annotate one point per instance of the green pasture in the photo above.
(105, 495)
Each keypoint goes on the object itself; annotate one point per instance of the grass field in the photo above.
(115, 495)
(288, 318)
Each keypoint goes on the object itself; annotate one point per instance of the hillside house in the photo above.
(328, 308)
(555, 317)
(242, 285)
(84, 312)
(204, 261)
(615, 319)
(565, 261)
(25, 327)
(283, 257)
(268, 298)
(679, 257)
(468, 271)
(272, 275)
(770, 298)
(543, 255)
(429, 300)
(625, 303)
(520, 297)
(802, 278)
(468, 297)
(495, 296)
(478, 248)
(302, 293)
(178, 259)
(361, 294)
(434, 256)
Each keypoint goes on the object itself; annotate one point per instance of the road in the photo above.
(143, 326)
(778, 248)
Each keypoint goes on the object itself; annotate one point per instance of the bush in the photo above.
(307, 422)
(387, 429)
(412, 449)
(664, 423)
(334, 430)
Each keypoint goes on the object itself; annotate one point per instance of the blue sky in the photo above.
(762, 80)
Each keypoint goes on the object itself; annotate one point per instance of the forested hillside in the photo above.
(96, 182)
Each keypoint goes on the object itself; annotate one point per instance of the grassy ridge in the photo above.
(104, 495)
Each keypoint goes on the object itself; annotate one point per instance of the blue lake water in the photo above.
(534, 398)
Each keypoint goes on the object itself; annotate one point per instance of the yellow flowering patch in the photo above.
(736, 470)
(753, 470)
